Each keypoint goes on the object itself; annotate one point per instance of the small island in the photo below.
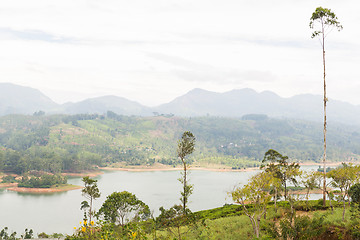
(37, 182)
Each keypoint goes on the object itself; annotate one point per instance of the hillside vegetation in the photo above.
(72, 143)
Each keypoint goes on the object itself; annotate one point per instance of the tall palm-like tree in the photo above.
(323, 20)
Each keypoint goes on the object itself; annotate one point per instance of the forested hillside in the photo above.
(59, 143)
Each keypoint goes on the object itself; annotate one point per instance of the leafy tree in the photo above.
(123, 207)
(4, 234)
(28, 234)
(8, 179)
(319, 181)
(309, 182)
(176, 222)
(90, 191)
(279, 167)
(354, 193)
(301, 227)
(324, 20)
(186, 146)
(275, 189)
(43, 235)
(343, 178)
(84, 205)
(254, 194)
(42, 180)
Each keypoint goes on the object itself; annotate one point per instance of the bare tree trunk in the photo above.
(90, 213)
(275, 199)
(343, 216)
(325, 100)
(265, 214)
(253, 223)
(307, 198)
(331, 206)
(258, 227)
(185, 197)
(179, 232)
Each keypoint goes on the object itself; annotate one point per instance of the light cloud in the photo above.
(154, 51)
(36, 35)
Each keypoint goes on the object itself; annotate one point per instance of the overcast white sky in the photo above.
(152, 51)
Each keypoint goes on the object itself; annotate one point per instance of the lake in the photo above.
(60, 212)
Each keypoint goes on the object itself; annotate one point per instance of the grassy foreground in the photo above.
(229, 222)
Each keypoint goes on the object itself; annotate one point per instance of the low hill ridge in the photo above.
(236, 103)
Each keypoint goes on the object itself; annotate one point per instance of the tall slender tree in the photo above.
(91, 192)
(323, 20)
(186, 146)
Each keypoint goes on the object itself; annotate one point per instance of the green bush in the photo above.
(8, 179)
(44, 181)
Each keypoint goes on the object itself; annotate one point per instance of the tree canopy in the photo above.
(122, 207)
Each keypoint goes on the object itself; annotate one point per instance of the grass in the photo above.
(229, 222)
(334, 218)
(235, 227)
(228, 228)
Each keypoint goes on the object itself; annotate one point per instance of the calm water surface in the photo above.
(60, 212)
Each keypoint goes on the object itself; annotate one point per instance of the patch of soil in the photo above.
(83, 174)
(6, 185)
(42, 190)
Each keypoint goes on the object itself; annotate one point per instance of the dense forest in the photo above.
(71, 143)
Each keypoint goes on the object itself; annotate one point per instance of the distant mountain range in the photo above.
(16, 99)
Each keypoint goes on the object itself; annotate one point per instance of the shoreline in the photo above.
(83, 174)
(7, 185)
(328, 164)
(218, 168)
(139, 169)
(44, 190)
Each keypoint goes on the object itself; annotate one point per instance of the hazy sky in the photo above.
(152, 51)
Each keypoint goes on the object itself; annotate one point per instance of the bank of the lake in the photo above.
(93, 173)
(207, 167)
(59, 188)
(8, 185)
(155, 169)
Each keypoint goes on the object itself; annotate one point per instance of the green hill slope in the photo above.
(59, 143)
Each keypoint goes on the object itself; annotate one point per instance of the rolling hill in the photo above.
(15, 99)
(198, 102)
(76, 142)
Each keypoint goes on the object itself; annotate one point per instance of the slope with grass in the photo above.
(73, 143)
